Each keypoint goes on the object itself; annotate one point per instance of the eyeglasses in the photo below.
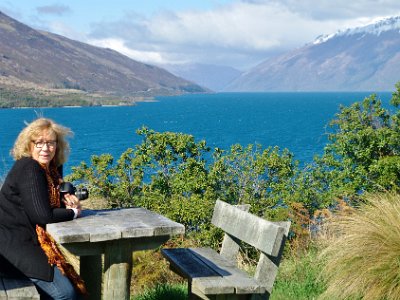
(49, 144)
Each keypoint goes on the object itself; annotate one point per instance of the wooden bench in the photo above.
(213, 275)
(17, 289)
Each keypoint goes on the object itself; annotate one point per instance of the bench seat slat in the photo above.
(211, 273)
(187, 264)
(233, 277)
(3, 294)
(22, 289)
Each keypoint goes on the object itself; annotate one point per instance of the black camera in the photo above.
(68, 188)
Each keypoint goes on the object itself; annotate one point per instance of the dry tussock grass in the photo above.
(361, 256)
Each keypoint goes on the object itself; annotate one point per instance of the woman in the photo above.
(29, 199)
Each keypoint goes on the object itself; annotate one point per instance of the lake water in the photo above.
(296, 121)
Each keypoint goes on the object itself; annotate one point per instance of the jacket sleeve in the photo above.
(35, 197)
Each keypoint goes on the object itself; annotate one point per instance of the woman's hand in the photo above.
(71, 201)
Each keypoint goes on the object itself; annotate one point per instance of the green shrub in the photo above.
(174, 175)
(181, 178)
(363, 153)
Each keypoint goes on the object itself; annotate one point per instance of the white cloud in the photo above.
(119, 45)
(63, 29)
(239, 34)
(335, 10)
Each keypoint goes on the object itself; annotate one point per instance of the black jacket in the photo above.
(24, 202)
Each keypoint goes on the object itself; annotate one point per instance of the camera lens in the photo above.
(68, 188)
(82, 193)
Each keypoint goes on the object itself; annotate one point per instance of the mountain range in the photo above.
(214, 77)
(43, 62)
(359, 59)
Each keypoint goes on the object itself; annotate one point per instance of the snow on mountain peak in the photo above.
(376, 27)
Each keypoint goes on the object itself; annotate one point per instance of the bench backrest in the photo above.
(255, 231)
(268, 237)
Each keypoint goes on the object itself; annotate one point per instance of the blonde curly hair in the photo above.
(22, 145)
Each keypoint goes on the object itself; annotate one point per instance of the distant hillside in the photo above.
(359, 59)
(213, 77)
(42, 61)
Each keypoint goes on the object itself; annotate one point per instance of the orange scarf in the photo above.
(48, 244)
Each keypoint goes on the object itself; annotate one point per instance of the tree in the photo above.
(363, 152)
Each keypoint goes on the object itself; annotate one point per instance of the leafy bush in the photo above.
(181, 178)
(178, 177)
(363, 154)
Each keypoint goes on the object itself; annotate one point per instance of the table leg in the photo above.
(117, 270)
(91, 273)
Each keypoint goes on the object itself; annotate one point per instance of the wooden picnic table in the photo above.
(114, 233)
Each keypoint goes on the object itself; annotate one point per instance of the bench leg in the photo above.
(260, 296)
(117, 271)
(195, 295)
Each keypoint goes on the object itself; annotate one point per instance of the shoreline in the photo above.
(136, 102)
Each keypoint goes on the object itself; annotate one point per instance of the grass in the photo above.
(299, 278)
(165, 292)
(362, 256)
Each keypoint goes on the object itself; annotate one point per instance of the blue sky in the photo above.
(237, 33)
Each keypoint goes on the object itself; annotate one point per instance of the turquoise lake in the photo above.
(296, 121)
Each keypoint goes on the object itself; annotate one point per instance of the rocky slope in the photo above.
(359, 59)
(42, 60)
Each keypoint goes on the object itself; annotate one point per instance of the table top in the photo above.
(113, 224)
